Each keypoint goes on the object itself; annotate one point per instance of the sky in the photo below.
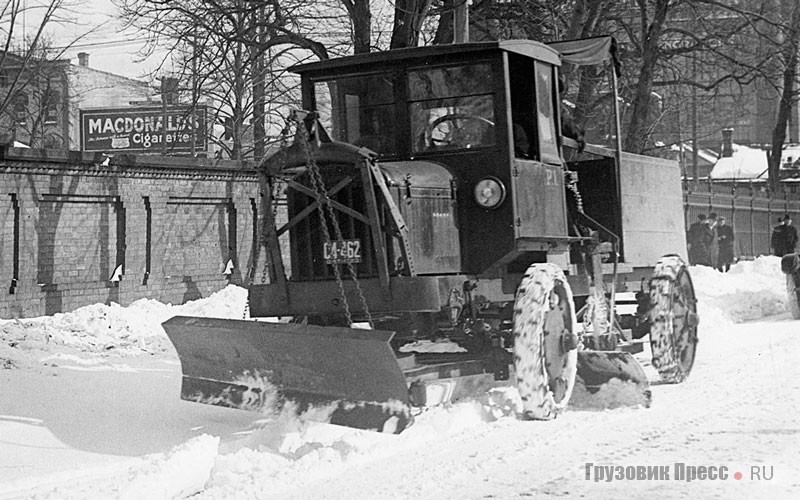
(94, 27)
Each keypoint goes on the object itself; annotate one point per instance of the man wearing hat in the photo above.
(784, 237)
(725, 238)
(698, 238)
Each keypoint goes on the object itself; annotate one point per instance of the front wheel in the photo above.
(545, 355)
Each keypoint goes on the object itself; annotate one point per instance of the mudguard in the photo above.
(337, 375)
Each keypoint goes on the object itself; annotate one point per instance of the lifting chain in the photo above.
(262, 243)
(322, 199)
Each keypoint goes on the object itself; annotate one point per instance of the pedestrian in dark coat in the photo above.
(713, 247)
(725, 239)
(784, 237)
(698, 238)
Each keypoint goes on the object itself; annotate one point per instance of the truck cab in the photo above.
(488, 114)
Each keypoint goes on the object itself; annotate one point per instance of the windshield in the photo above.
(359, 110)
(451, 107)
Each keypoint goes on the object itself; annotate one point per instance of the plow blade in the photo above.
(608, 379)
(332, 374)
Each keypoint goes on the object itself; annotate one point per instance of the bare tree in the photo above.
(235, 53)
(361, 21)
(409, 16)
(34, 78)
(787, 53)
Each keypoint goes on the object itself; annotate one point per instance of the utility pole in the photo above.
(695, 173)
(194, 92)
(461, 22)
(259, 85)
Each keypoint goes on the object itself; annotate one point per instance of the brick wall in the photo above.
(68, 221)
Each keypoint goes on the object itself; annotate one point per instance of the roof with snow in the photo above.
(703, 155)
(746, 163)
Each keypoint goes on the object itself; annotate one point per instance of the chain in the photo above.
(572, 184)
(262, 244)
(276, 189)
(322, 194)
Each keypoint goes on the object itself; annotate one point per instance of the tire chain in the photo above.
(663, 341)
(530, 307)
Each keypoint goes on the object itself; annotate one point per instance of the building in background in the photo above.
(54, 104)
(93, 89)
(42, 99)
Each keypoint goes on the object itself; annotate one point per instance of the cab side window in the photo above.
(533, 112)
(523, 110)
(359, 110)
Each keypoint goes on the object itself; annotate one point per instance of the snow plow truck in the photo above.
(430, 194)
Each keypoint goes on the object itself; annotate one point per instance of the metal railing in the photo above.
(749, 208)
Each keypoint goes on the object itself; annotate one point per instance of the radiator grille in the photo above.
(306, 236)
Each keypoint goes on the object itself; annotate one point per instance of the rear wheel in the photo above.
(673, 319)
(545, 355)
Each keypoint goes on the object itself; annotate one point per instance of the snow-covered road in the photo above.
(88, 423)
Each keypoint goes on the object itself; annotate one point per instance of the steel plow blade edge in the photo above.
(337, 375)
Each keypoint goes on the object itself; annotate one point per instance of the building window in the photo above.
(21, 109)
(51, 108)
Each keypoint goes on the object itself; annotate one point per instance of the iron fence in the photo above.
(749, 208)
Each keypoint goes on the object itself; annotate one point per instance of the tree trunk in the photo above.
(788, 98)
(361, 20)
(408, 18)
(638, 130)
(444, 31)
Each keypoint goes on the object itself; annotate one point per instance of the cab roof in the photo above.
(527, 48)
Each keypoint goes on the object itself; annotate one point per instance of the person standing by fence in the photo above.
(725, 239)
(698, 238)
(713, 247)
(784, 237)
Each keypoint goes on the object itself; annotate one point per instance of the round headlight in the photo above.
(489, 192)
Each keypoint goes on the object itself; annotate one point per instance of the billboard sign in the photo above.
(155, 129)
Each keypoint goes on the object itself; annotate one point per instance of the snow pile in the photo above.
(615, 393)
(289, 452)
(435, 346)
(750, 290)
(109, 330)
(178, 474)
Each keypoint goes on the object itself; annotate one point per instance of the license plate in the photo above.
(342, 252)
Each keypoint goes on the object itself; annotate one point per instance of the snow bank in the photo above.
(287, 452)
(178, 474)
(108, 330)
(750, 290)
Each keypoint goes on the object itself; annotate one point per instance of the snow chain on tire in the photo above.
(672, 335)
(534, 300)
